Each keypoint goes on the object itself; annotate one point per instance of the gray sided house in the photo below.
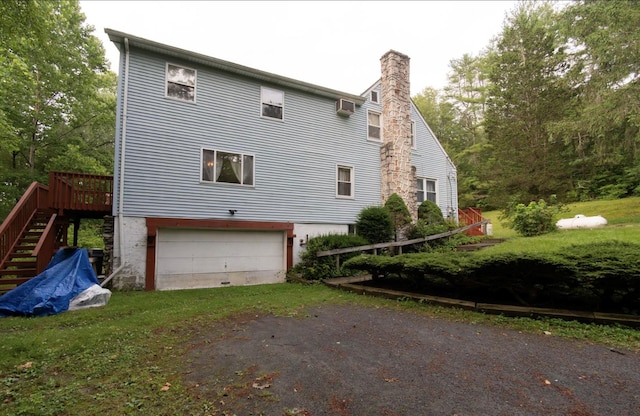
(223, 172)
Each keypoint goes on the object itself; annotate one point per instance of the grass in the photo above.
(118, 359)
(623, 217)
(128, 357)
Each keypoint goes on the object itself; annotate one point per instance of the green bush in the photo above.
(601, 276)
(374, 224)
(531, 220)
(430, 212)
(398, 211)
(313, 267)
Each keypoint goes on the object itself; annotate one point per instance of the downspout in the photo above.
(121, 179)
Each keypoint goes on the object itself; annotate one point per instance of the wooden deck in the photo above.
(37, 225)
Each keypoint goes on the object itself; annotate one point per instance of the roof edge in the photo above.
(118, 37)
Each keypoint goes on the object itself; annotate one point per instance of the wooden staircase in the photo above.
(37, 226)
(471, 216)
(21, 263)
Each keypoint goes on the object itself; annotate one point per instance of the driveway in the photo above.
(354, 360)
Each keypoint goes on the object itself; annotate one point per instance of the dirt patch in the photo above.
(353, 360)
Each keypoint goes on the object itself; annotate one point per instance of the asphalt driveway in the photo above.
(353, 360)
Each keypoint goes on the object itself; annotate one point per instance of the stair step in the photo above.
(21, 256)
(13, 281)
(29, 239)
(18, 272)
(21, 264)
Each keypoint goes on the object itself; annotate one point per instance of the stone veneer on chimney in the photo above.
(397, 174)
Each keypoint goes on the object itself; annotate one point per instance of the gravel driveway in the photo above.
(354, 360)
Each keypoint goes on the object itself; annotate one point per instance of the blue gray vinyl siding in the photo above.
(295, 159)
(431, 162)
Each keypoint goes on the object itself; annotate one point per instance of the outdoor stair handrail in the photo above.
(400, 243)
(35, 198)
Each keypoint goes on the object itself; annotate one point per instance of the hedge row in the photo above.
(600, 276)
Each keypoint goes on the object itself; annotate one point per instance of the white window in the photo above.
(272, 103)
(374, 97)
(413, 134)
(344, 182)
(374, 126)
(426, 190)
(181, 83)
(226, 167)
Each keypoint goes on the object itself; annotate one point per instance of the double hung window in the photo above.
(344, 182)
(181, 83)
(426, 190)
(374, 126)
(272, 103)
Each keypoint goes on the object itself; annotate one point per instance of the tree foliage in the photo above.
(550, 106)
(58, 98)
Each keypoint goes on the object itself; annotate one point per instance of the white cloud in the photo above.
(334, 44)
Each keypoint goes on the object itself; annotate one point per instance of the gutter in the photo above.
(123, 136)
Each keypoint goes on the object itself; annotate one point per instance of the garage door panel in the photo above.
(197, 258)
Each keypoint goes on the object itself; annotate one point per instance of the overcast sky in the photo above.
(335, 44)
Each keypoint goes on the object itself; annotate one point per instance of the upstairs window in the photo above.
(181, 83)
(226, 167)
(344, 183)
(374, 126)
(374, 97)
(272, 103)
(426, 190)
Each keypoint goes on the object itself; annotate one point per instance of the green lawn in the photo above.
(623, 217)
(117, 359)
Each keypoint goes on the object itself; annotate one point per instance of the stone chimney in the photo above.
(397, 174)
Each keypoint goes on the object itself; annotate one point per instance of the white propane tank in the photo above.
(581, 221)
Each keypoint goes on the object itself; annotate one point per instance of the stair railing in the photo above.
(36, 197)
(46, 245)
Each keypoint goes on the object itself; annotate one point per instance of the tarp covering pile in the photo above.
(67, 276)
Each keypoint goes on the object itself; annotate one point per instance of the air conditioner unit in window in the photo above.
(345, 107)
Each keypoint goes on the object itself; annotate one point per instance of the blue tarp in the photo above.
(68, 274)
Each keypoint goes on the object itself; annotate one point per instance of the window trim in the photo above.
(253, 167)
(379, 114)
(262, 88)
(424, 189)
(377, 100)
(352, 189)
(166, 83)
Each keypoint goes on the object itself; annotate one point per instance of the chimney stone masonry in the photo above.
(395, 153)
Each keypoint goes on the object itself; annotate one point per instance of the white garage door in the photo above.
(200, 258)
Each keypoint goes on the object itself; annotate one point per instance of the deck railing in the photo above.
(35, 198)
(80, 191)
(471, 216)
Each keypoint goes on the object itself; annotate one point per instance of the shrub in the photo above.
(377, 266)
(374, 224)
(398, 211)
(313, 267)
(534, 219)
(430, 212)
(422, 229)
